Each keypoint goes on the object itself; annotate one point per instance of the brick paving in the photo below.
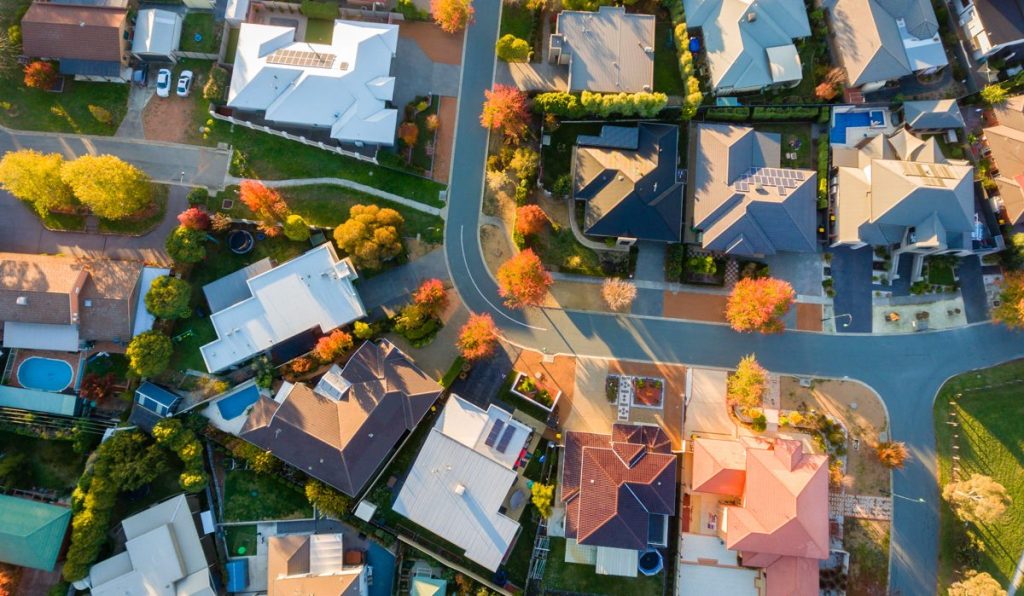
(860, 506)
(695, 306)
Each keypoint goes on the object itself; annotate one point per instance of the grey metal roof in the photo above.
(933, 114)
(1003, 20)
(90, 68)
(157, 32)
(157, 394)
(232, 289)
(609, 49)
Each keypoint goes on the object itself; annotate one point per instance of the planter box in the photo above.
(554, 400)
(659, 385)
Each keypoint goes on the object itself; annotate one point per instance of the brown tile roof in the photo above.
(612, 484)
(78, 32)
(343, 442)
(288, 568)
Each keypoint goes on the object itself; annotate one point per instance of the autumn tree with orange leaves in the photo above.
(331, 346)
(505, 111)
(40, 75)
(523, 281)
(266, 203)
(452, 15)
(431, 296)
(478, 337)
(530, 219)
(759, 305)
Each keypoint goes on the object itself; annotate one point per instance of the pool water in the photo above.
(234, 405)
(45, 374)
(383, 563)
(860, 119)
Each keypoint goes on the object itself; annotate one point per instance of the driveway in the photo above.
(801, 270)
(972, 289)
(420, 70)
(851, 276)
(650, 266)
(393, 287)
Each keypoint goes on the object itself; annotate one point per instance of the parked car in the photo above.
(163, 82)
(140, 76)
(184, 83)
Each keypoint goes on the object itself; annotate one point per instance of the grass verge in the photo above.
(868, 544)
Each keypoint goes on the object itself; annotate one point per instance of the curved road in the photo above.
(906, 370)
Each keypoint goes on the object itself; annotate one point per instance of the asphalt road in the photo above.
(906, 370)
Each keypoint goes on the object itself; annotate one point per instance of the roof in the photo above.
(612, 484)
(710, 568)
(933, 114)
(1003, 20)
(233, 288)
(311, 564)
(1006, 140)
(343, 438)
(31, 532)
(743, 202)
(347, 94)
(61, 31)
(631, 188)
(458, 483)
(738, 35)
(611, 51)
(90, 68)
(37, 401)
(163, 555)
(792, 576)
(143, 318)
(157, 394)
(312, 290)
(157, 32)
(719, 467)
(428, 586)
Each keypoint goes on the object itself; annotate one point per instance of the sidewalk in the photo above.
(230, 180)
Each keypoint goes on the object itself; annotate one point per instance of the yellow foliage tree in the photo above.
(109, 187)
(35, 178)
(542, 497)
(370, 235)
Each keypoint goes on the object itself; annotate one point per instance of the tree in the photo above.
(542, 495)
(433, 121)
(478, 338)
(326, 499)
(149, 353)
(96, 387)
(295, 228)
(35, 178)
(432, 296)
(523, 281)
(505, 111)
(1010, 311)
(530, 219)
(266, 203)
(892, 454)
(408, 132)
(301, 365)
(618, 293)
(220, 222)
(332, 345)
(759, 305)
(132, 459)
(976, 584)
(10, 49)
(746, 386)
(452, 15)
(40, 75)
(10, 576)
(979, 499)
(370, 235)
(994, 94)
(168, 298)
(513, 49)
(831, 85)
(109, 187)
(194, 218)
(185, 245)
(525, 162)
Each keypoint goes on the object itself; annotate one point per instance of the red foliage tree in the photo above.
(194, 218)
(266, 203)
(759, 305)
(530, 219)
(452, 15)
(97, 387)
(505, 111)
(40, 75)
(478, 337)
(408, 132)
(10, 576)
(431, 296)
(522, 280)
(331, 346)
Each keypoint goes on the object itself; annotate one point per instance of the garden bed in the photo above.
(611, 388)
(527, 388)
(648, 392)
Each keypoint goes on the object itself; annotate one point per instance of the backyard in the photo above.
(991, 436)
(867, 541)
(666, 63)
(796, 139)
(49, 463)
(319, 31)
(556, 158)
(249, 496)
(241, 537)
(572, 577)
(199, 34)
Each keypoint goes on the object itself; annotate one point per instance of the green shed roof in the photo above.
(31, 533)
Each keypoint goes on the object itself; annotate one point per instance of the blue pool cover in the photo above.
(844, 120)
(238, 575)
(234, 405)
(383, 563)
(44, 374)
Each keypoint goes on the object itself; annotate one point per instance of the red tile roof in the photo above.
(79, 32)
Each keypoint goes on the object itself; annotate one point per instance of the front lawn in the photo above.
(319, 31)
(517, 20)
(249, 496)
(572, 577)
(199, 24)
(240, 537)
(666, 62)
(867, 541)
(991, 440)
(33, 109)
(559, 250)
(50, 463)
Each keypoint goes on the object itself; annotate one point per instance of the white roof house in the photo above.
(157, 33)
(341, 87)
(163, 556)
(461, 478)
(312, 290)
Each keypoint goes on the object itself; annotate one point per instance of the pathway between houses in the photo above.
(232, 180)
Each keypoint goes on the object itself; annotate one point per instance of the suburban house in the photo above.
(933, 116)
(994, 28)
(342, 431)
(608, 51)
(901, 191)
(463, 477)
(89, 39)
(282, 309)
(749, 43)
(878, 41)
(152, 404)
(31, 532)
(619, 491)
(628, 179)
(742, 203)
(757, 503)
(65, 304)
(312, 564)
(168, 550)
(1005, 142)
(331, 92)
(157, 35)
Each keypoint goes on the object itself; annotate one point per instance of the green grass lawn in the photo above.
(518, 563)
(793, 131)
(51, 464)
(666, 61)
(229, 56)
(571, 577)
(557, 157)
(241, 537)
(200, 23)
(68, 111)
(249, 496)
(991, 443)
(517, 20)
(319, 31)
(940, 274)
(138, 226)
(165, 485)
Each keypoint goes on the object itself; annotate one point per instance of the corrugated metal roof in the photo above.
(608, 49)
(157, 394)
(37, 401)
(31, 532)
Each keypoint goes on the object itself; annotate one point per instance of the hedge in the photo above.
(729, 114)
(786, 113)
(694, 97)
(513, 49)
(823, 171)
(570, 105)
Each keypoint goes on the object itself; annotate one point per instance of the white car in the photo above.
(184, 83)
(163, 82)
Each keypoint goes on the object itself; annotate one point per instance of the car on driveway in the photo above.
(163, 82)
(184, 83)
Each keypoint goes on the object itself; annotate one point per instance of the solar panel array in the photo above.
(301, 58)
(493, 435)
(506, 438)
(778, 177)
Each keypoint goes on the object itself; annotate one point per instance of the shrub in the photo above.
(513, 49)
(194, 218)
(562, 187)
(542, 495)
(371, 235)
(326, 499)
(101, 114)
(332, 346)
(40, 75)
(363, 330)
(263, 372)
(186, 245)
(295, 228)
(530, 220)
(216, 84)
(198, 196)
(431, 296)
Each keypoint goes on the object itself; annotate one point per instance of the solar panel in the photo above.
(301, 58)
(506, 438)
(493, 435)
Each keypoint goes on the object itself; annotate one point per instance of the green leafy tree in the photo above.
(295, 228)
(168, 298)
(186, 245)
(746, 387)
(35, 178)
(371, 236)
(326, 499)
(1010, 311)
(978, 499)
(149, 353)
(109, 187)
(134, 460)
(994, 94)
(513, 49)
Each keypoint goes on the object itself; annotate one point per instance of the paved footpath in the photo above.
(232, 180)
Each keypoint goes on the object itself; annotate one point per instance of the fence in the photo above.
(197, 55)
(291, 137)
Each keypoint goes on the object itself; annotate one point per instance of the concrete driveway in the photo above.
(851, 276)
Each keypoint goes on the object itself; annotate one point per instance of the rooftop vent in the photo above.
(21, 301)
(460, 489)
(751, 16)
(88, 303)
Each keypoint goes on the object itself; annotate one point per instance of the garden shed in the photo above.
(157, 35)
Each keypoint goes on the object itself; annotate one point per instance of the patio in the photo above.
(73, 359)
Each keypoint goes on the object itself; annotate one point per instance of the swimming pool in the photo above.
(45, 374)
(383, 563)
(234, 405)
(856, 119)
